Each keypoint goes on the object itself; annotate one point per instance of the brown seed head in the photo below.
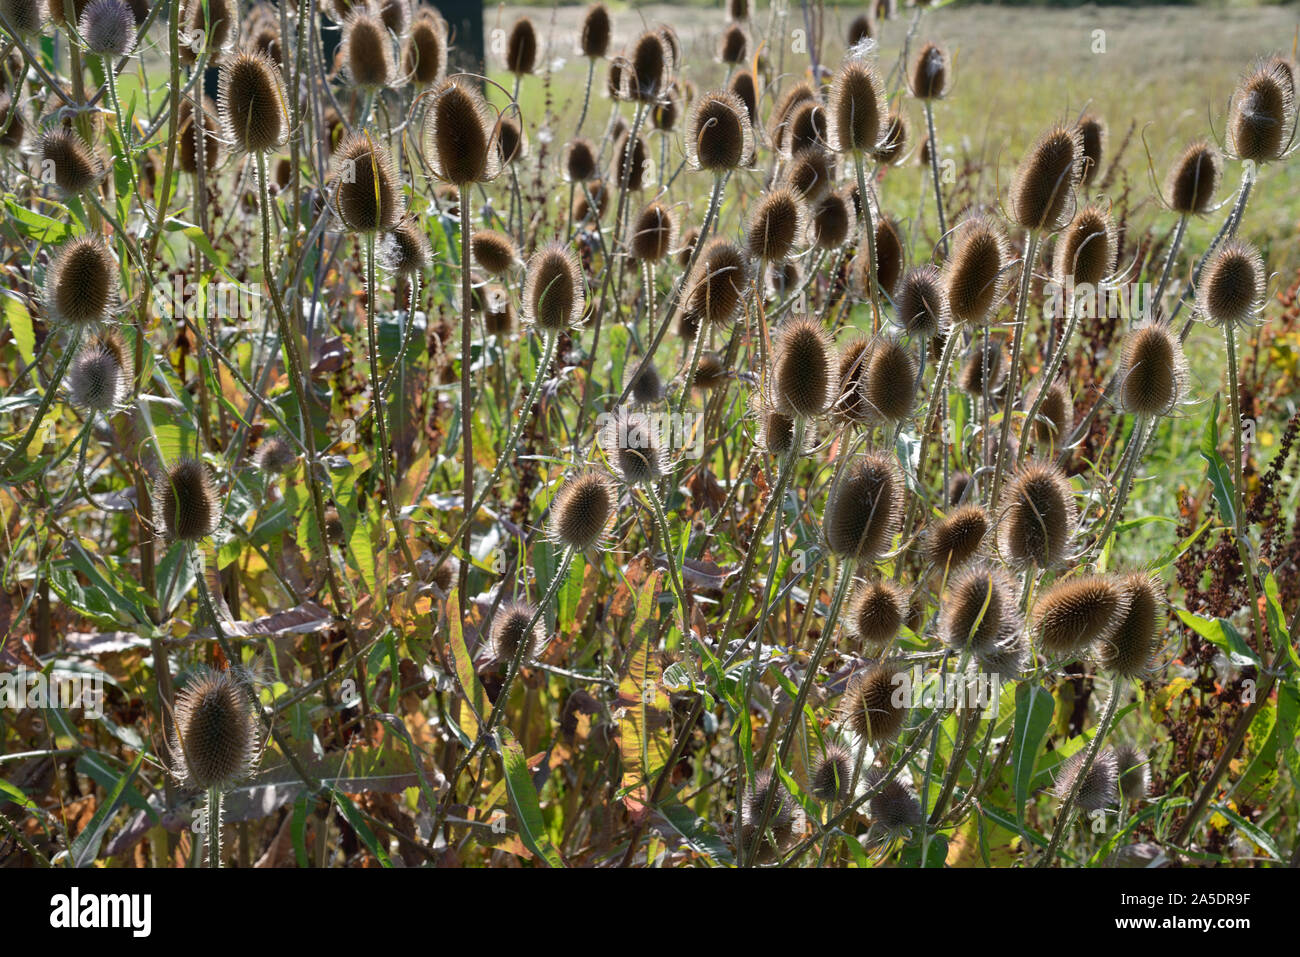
(1231, 292)
(976, 273)
(957, 537)
(188, 134)
(1088, 248)
(1055, 416)
(367, 51)
(649, 71)
(595, 33)
(554, 293)
(809, 173)
(868, 705)
(776, 222)
(1092, 129)
(1042, 194)
(719, 136)
(187, 501)
(832, 221)
(983, 363)
(979, 610)
(893, 144)
(217, 21)
(921, 302)
(493, 251)
(832, 775)
(745, 88)
(1037, 516)
(717, 284)
(99, 379)
(1154, 371)
(510, 630)
(632, 445)
(521, 47)
(1100, 788)
(367, 194)
(214, 741)
(1129, 650)
(1074, 613)
(250, 103)
(458, 135)
(876, 611)
(930, 73)
(1263, 115)
(857, 108)
(733, 45)
(583, 510)
(1194, 179)
(275, 456)
(76, 166)
(579, 160)
(653, 233)
(889, 387)
(425, 54)
(81, 282)
(864, 508)
(803, 371)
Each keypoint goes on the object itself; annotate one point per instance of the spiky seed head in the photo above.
(425, 55)
(799, 93)
(1100, 787)
(510, 629)
(832, 775)
(99, 379)
(686, 246)
(930, 73)
(367, 51)
(921, 302)
(458, 134)
(631, 160)
(367, 194)
(108, 27)
(24, 16)
(447, 573)
(776, 221)
(632, 444)
(957, 537)
(1131, 764)
(958, 485)
(595, 33)
(265, 39)
(81, 282)
(1078, 611)
(893, 142)
(521, 47)
(579, 160)
(718, 135)
(554, 293)
(979, 610)
(711, 372)
(876, 611)
(1194, 179)
(855, 359)
(673, 45)
(77, 167)
(889, 259)
(647, 385)
(1037, 516)
(498, 311)
(982, 363)
(775, 429)
(868, 705)
(665, 113)
(889, 388)
(492, 251)
(857, 108)
(745, 88)
(395, 14)
(217, 21)
(976, 273)
(1055, 415)
(717, 284)
(406, 250)
(275, 456)
(653, 233)
(583, 510)
(733, 45)
(806, 127)
(649, 68)
(614, 84)
(250, 103)
(832, 221)
(864, 508)
(13, 122)
(187, 501)
(894, 808)
(809, 173)
(596, 192)
(1092, 130)
(189, 132)
(780, 818)
(1154, 371)
(214, 740)
(1045, 182)
(512, 139)
(1088, 248)
(334, 530)
(1262, 118)
(782, 278)
(738, 9)
(803, 373)
(1130, 648)
(1231, 292)
(862, 27)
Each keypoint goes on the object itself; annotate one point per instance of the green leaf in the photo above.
(475, 696)
(20, 321)
(1034, 708)
(1220, 633)
(1277, 628)
(523, 798)
(698, 833)
(1217, 470)
(35, 226)
(1252, 831)
(85, 847)
(358, 822)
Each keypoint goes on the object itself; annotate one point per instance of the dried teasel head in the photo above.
(186, 501)
(81, 287)
(745, 87)
(632, 444)
(1131, 763)
(367, 51)
(1042, 193)
(13, 122)
(492, 251)
(889, 259)
(24, 16)
(99, 379)
(579, 160)
(780, 116)
(512, 139)
(719, 136)
(1037, 516)
(862, 27)
(459, 134)
(654, 232)
(958, 537)
(405, 250)
(894, 807)
(1194, 179)
(631, 162)
(108, 27)
(251, 103)
(1074, 613)
(395, 15)
(806, 127)
(868, 706)
(864, 508)
(1129, 649)
(765, 789)
(804, 367)
(216, 21)
(832, 221)
(647, 385)
(851, 374)
(733, 45)
(1092, 131)
(275, 456)
(711, 373)
(893, 143)
(717, 285)
(76, 166)
(1231, 291)
(521, 47)
(1153, 377)
(1262, 119)
(979, 610)
(1100, 786)
(775, 223)
(810, 174)
(583, 510)
(975, 275)
(214, 741)
(188, 132)
(856, 108)
(1055, 415)
(1087, 249)
(889, 386)
(921, 302)
(511, 635)
(367, 194)
(877, 609)
(985, 364)
(931, 73)
(554, 292)
(424, 57)
(594, 35)
(832, 775)
(649, 69)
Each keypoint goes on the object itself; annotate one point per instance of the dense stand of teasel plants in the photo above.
(576, 487)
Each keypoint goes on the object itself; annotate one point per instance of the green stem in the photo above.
(1013, 373)
(1094, 748)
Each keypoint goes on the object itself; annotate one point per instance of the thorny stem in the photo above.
(466, 399)
(1066, 812)
(1239, 484)
(1013, 371)
(934, 172)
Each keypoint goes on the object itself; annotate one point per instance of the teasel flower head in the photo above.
(521, 47)
(1037, 516)
(275, 456)
(583, 510)
(894, 809)
(649, 69)
(862, 27)
(1131, 764)
(865, 508)
(889, 260)
(214, 740)
(717, 285)
(187, 502)
(921, 303)
(579, 161)
(459, 135)
(857, 108)
(1092, 129)
(1074, 613)
(596, 192)
(807, 127)
(81, 286)
(1154, 376)
(733, 46)
(395, 15)
(775, 223)
(405, 250)
(647, 384)
(889, 386)
(957, 537)
(251, 103)
(1129, 649)
(851, 404)
(804, 368)
(780, 818)
(108, 27)
(424, 57)
(674, 47)
(832, 221)
(711, 373)
(719, 136)
(979, 610)
(512, 139)
(554, 292)
(665, 113)
(215, 21)
(24, 16)
(776, 429)
(633, 446)
(983, 362)
(869, 705)
(509, 629)
(1100, 788)
(976, 272)
(1042, 195)
(654, 233)
(745, 87)
(810, 174)
(893, 142)
(1231, 291)
(1087, 249)
(188, 133)
(13, 122)
(367, 194)
(492, 251)
(781, 112)
(959, 483)
(76, 166)
(1262, 120)
(99, 379)
(832, 775)
(1194, 179)
(931, 73)
(877, 609)
(595, 33)
(1055, 415)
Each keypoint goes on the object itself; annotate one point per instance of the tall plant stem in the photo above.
(670, 552)
(21, 448)
(1045, 380)
(1013, 372)
(1239, 484)
(1174, 245)
(938, 392)
(1229, 228)
(1066, 812)
(869, 233)
(934, 173)
(466, 399)
(1132, 456)
(213, 823)
(586, 99)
